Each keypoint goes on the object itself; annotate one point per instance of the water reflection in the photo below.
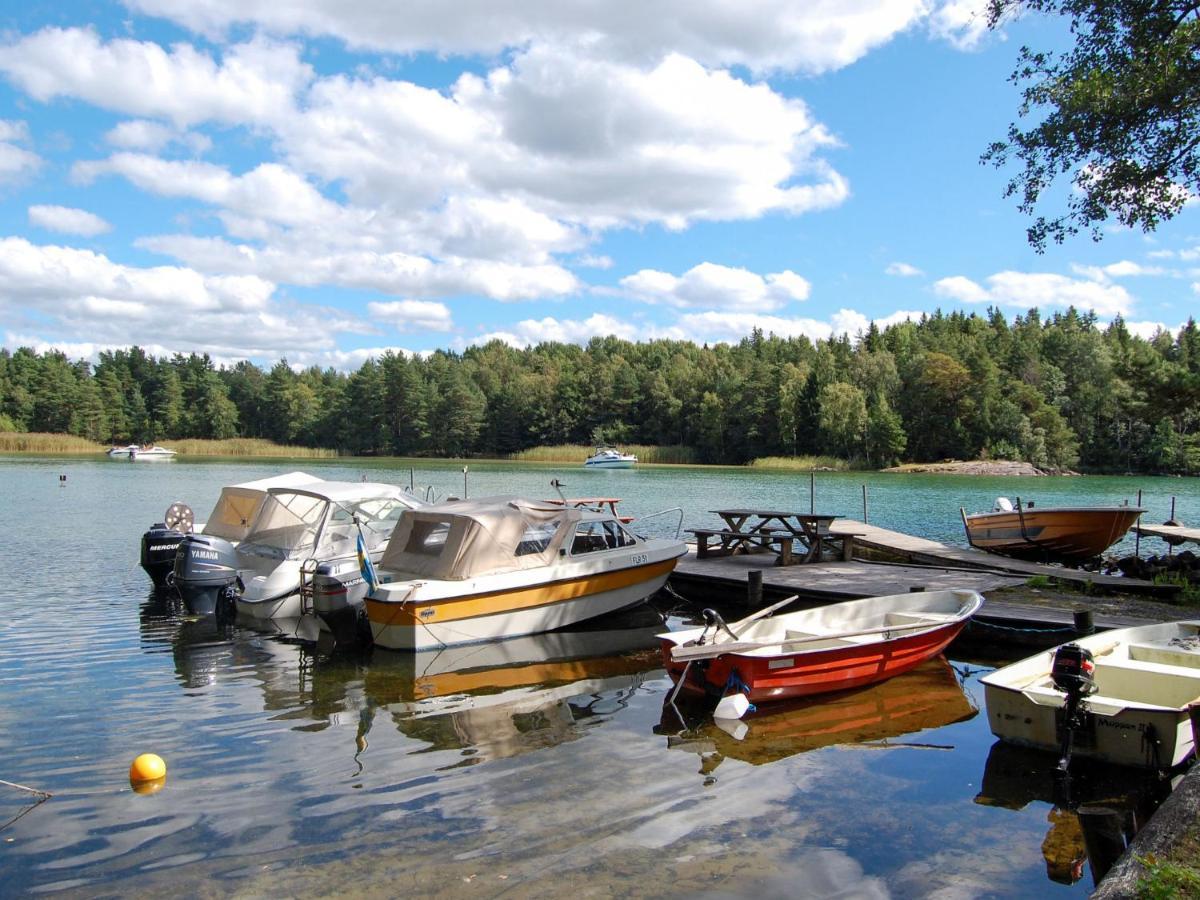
(929, 696)
(1100, 808)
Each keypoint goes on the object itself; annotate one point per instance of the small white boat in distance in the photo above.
(476, 570)
(1135, 712)
(610, 458)
(144, 452)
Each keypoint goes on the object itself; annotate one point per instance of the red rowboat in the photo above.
(814, 651)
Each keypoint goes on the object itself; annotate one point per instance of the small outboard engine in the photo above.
(1074, 670)
(206, 573)
(161, 541)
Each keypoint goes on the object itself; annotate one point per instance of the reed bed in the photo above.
(246, 447)
(671, 454)
(44, 442)
(802, 463)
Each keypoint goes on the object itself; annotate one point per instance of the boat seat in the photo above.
(1147, 682)
(925, 618)
(823, 644)
(1165, 654)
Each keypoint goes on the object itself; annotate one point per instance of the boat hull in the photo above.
(1146, 677)
(417, 621)
(611, 464)
(1066, 535)
(785, 676)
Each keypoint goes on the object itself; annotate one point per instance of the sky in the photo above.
(328, 180)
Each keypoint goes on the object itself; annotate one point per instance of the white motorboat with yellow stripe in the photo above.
(475, 570)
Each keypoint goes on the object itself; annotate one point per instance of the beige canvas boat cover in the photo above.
(467, 538)
(239, 503)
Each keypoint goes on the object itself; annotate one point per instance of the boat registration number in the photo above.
(639, 559)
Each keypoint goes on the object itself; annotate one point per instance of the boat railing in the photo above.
(678, 510)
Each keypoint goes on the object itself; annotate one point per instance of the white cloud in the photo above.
(15, 162)
(710, 286)
(68, 220)
(254, 82)
(1042, 290)
(534, 331)
(815, 36)
(1122, 269)
(143, 134)
(903, 270)
(1147, 330)
(412, 315)
(963, 23)
(728, 327)
(86, 297)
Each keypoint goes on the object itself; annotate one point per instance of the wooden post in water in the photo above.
(464, 482)
(1137, 535)
(754, 588)
(812, 492)
(864, 502)
(411, 488)
(1084, 623)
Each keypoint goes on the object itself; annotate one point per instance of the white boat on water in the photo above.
(1132, 709)
(143, 452)
(230, 519)
(477, 570)
(298, 530)
(610, 458)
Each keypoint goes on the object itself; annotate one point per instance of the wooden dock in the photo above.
(1172, 534)
(912, 549)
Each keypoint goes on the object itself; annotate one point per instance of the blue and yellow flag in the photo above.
(366, 566)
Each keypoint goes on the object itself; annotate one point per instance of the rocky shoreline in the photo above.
(977, 467)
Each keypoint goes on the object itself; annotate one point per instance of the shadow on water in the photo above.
(1094, 814)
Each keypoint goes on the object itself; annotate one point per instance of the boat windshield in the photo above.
(377, 520)
(287, 527)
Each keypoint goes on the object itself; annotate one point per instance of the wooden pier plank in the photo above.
(1169, 533)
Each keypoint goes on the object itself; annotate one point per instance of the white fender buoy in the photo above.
(732, 706)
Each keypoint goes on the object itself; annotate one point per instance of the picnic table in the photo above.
(797, 537)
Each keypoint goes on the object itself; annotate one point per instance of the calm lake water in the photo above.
(554, 772)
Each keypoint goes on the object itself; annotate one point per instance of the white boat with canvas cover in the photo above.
(1135, 712)
(230, 519)
(301, 527)
(477, 570)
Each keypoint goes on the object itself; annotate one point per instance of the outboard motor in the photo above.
(158, 551)
(206, 573)
(1073, 672)
(161, 541)
(339, 601)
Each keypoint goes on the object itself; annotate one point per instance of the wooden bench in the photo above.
(732, 542)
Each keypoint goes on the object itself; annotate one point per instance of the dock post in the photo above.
(1137, 535)
(864, 502)
(1084, 623)
(812, 492)
(410, 480)
(464, 482)
(1103, 836)
(754, 588)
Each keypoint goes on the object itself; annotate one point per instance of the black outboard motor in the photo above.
(158, 551)
(206, 573)
(1073, 672)
(339, 601)
(161, 541)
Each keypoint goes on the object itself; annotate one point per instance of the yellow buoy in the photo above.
(149, 767)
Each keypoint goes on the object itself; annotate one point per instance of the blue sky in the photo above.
(324, 180)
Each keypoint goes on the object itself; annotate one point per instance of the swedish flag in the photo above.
(366, 566)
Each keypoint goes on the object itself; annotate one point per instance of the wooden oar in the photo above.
(710, 651)
(766, 611)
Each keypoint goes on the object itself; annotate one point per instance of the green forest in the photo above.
(1062, 393)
